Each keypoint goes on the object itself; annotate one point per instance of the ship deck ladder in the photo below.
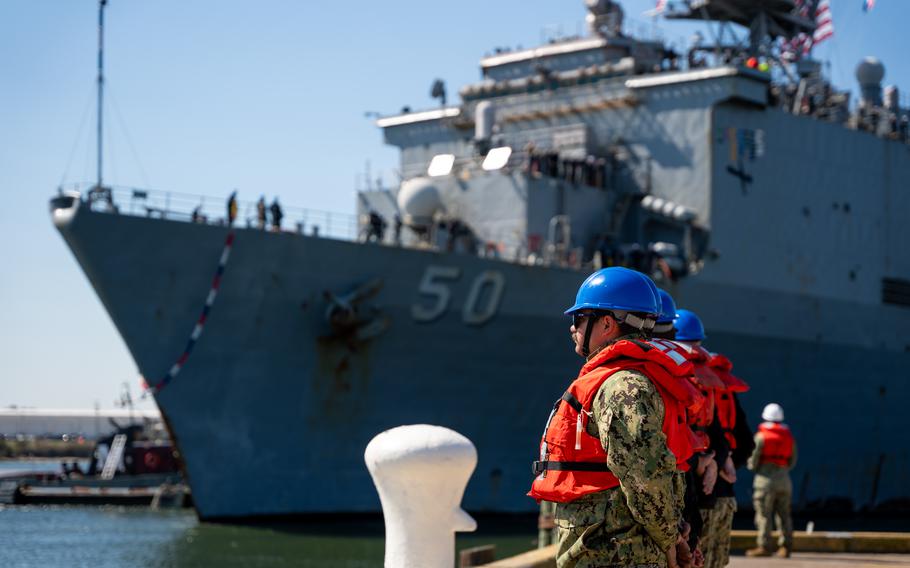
(113, 458)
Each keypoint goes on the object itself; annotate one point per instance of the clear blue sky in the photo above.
(266, 96)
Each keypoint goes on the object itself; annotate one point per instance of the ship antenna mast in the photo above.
(100, 137)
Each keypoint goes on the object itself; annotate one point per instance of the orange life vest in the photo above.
(726, 405)
(778, 444)
(701, 416)
(572, 462)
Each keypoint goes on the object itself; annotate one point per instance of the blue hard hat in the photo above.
(617, 288)
(688, 326)
(667, 307)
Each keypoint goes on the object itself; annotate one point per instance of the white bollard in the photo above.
(420, 472)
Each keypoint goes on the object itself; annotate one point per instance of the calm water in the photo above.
(49, 465)
(125, 536)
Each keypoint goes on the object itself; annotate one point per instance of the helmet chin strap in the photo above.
(641, 324)
(586, 346)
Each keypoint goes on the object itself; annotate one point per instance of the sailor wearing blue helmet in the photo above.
(607, 456)
(629, 298)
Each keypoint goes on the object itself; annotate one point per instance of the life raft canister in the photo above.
(778, 444)
(726, 405)
(572, 462)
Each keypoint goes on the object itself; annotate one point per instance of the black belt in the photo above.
(572, 401)
(539, 467)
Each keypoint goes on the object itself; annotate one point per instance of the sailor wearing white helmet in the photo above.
(773, 458)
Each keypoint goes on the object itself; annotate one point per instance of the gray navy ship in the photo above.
(737, 176)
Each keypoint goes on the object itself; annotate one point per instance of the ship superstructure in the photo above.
(765, 205)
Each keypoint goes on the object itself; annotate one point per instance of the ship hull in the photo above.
(274, 406)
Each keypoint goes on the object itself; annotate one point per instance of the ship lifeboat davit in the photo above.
(419, 200)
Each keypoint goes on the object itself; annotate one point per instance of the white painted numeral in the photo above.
(471, 314)
(431, 285)
(434, 285)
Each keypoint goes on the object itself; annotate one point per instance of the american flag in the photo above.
(824, 26)
(659, 9)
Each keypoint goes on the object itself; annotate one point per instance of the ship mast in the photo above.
(100, 136)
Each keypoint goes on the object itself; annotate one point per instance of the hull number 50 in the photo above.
(435, 289)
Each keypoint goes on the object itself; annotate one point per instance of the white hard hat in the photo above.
(773, 413)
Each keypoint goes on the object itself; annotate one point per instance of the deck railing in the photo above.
(503, 245)
(212, 210)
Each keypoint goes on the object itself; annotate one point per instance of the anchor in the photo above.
(347, 314)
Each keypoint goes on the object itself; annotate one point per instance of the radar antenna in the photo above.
(99, 192)
(101, 5)
(604, 18)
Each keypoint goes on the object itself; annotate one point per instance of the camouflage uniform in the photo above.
(633, 524)
(715, 544)
(771, 495)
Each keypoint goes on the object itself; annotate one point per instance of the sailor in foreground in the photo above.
(773, 458)
(608, 454)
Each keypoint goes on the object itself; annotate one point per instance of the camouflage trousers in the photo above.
(598, 531)
(715, 539)
(772, 503)
(579, 547)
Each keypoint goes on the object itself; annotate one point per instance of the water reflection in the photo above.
(116, 537)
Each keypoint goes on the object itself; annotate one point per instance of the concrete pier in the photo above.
(819, 559)
(822, 548)
(544, 559)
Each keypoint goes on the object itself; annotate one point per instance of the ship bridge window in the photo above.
(441, 165)
(497, 158)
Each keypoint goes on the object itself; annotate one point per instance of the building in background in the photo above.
(88, 422)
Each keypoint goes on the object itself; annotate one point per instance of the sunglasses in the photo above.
(579, 317)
